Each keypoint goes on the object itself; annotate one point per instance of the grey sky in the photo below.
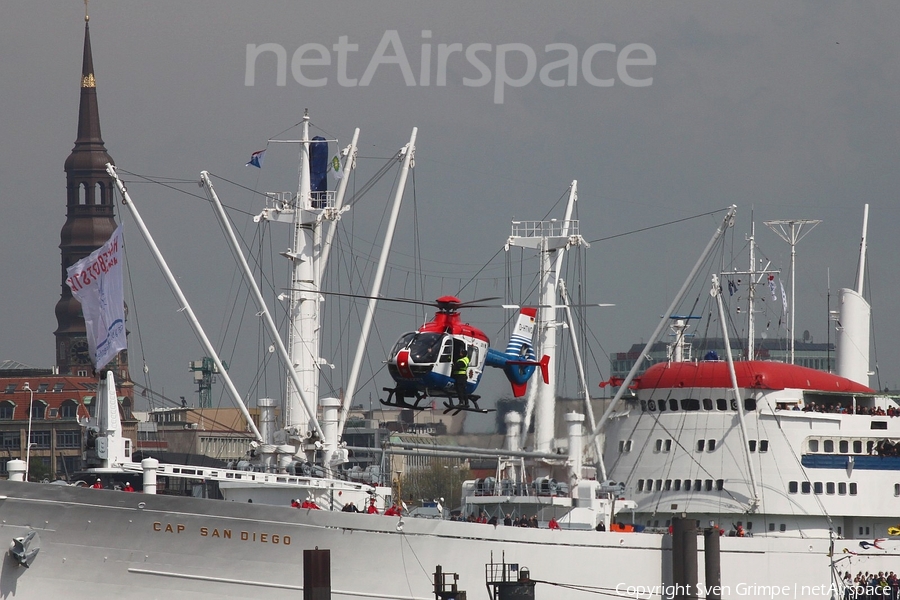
(784, 108)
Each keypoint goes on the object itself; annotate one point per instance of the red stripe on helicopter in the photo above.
(403, 364)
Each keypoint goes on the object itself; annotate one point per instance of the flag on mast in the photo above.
(337, 167)
(96, 282)
(256, 159)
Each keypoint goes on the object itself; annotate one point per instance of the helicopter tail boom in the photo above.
(519, 360)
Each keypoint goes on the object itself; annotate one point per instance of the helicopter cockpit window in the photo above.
(425, 347)
(473, 356)
(403, 342)
(447, 351)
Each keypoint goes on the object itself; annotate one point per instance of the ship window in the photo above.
(621, 446)
(649, 485)
(700, 445)
(690, 404)
(720, 485)
(662, 406)
(668, 445)
(752, 444)
(870, 446)
(749, 525)
(673, 404)
(852, 488)
(879, 425)
(7, 409)
(659, 445)
(813, 445)
(733, 404)
(857, 446)
(628, 445)
(709, 485)
(643, 406)
(698, 485)
(668, 484)
(842, 488)
(687, 485)
(805, 487)
(829, 488)
(707, 404)
(817, 487)
(711, 445)
(828, 446)
(721, 404)
(750, 404)
(659, 485)
(782, 528)
(640, 485)
(651, 404)
(792, 487)
(844, 446)
(771, 526)
(897, 489)
(677, 485)
(763, 445)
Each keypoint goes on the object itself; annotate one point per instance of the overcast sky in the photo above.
(786, 109)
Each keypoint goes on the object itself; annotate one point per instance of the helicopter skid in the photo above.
(396, 400)
(470, 405)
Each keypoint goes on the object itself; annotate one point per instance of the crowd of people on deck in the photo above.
(871, 586)
(835, 408)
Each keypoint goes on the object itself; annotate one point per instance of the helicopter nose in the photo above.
(403, 364)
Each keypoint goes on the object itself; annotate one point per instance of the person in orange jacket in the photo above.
(372, 510)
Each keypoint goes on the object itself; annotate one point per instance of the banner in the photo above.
(97, 282)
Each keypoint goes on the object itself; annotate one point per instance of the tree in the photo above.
(440, 478)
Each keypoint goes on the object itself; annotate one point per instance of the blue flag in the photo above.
(256, 159)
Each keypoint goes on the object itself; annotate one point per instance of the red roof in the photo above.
(750, 374)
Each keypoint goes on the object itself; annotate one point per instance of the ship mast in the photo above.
(548, 238)
(716, 292)
(754, 278)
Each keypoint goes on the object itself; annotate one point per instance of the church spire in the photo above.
(90, 218)
(89, 139)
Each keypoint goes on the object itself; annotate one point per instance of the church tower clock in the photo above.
(90, 221)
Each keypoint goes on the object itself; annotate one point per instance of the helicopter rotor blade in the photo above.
(432, 303)
(518, 306)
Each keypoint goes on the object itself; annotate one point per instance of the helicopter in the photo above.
(421, 362)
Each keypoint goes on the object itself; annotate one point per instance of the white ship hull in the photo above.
(104, 544)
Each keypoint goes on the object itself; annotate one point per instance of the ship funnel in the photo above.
(852, 344)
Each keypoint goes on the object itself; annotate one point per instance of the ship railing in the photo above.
(217, 474)
(283, 201)
(552, 228)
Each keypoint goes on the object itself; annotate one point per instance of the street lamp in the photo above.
(28, 440)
